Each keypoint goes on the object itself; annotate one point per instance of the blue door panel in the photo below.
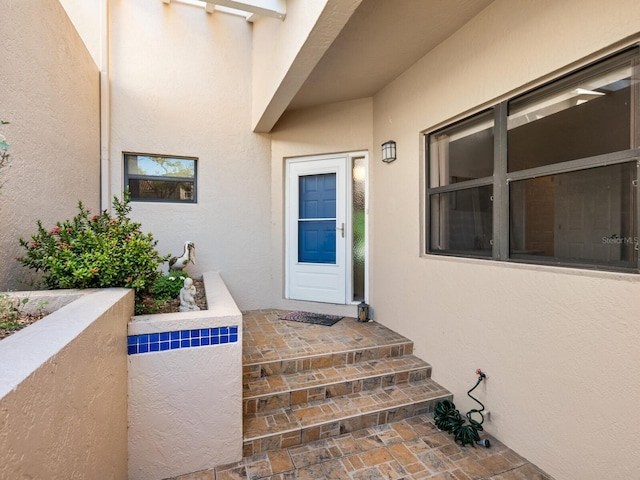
(318, 196)
(317, 241)
(317, 219)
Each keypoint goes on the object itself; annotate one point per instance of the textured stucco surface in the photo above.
(63, 392)
(181, 85)
(185, 406)
(50, 94)
(560, 346)
(85, 16)
(285, 53)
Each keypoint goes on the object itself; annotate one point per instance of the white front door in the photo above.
(316, 229)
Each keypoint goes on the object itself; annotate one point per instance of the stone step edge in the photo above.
(302, 357)
(436, 398)
(328, 383)
(332, 383)
(338, 352)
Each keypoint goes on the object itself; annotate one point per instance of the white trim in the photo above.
(289, 238)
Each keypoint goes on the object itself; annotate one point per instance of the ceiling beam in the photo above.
(268, 8)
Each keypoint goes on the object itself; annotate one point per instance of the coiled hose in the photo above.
(447, 418)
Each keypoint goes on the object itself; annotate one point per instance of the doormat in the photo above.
(315, 318)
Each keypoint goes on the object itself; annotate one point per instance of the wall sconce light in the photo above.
(363, 312)
(389, 151)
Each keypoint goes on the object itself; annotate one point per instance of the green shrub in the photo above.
(168, 286)
(95, 251)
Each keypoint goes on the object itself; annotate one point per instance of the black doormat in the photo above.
(315, 318)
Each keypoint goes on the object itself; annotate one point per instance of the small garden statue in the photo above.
(188, 297)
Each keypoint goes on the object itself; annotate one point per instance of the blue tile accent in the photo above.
(179, 339)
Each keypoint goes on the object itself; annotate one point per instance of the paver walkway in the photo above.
(412, 448)
(409, 449)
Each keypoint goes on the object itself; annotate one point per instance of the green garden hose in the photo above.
(447, 418)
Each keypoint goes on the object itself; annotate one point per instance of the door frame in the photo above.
(288, 240)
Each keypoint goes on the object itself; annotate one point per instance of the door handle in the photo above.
(341, 228)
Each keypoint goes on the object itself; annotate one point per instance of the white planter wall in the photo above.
(185, 388)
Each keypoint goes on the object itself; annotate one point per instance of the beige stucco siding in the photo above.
(560, 346)
(63, 391)
(50, 94)
(181, 85)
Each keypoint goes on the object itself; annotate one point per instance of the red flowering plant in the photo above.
(93, 251)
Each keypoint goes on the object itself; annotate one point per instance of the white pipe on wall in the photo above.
(105, 109)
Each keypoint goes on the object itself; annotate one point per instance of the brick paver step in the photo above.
(307, 422)
(284, 390)
(337, 358)
(272, 346)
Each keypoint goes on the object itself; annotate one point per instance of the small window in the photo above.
(462, 152)
(156, 178)
(462, 221)
(461, 190)
(583, 217)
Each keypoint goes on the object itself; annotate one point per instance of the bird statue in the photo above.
(188, 255)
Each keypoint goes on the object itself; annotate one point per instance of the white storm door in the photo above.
(316, 236)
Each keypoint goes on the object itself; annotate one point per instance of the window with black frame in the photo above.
(158, 178)
(547, 177)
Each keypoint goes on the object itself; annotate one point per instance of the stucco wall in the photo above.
(181, 85)
(560, 346)
(276, 44)
(185, 404)
(63, 392)
(334, 128)
(285, 53)
(85, 16)
(50, 93)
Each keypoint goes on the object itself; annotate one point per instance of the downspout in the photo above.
(105, 109)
